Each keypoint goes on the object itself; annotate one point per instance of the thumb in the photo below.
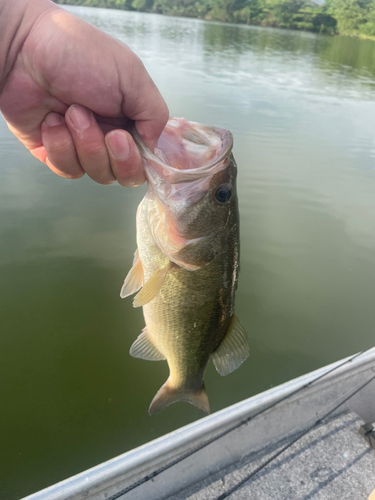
(143, 103)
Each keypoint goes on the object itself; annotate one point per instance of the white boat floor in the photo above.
(330, 462)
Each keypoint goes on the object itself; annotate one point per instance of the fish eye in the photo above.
(224, 193)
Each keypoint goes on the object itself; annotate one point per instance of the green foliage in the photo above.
(346, 17)
(110, 4)
(354, 17)
(348, 14)
(142, 5)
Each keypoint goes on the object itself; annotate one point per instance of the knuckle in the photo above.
(94, 159)
(164, 111)
(61, 147)
(164, 114)
(137, 63)
(93, 152)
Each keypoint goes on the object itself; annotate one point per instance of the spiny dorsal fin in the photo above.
(152, 287)
(144, 348)
(168, 394)
(134, 279)
(233, 350)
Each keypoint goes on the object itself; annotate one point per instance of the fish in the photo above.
(185, 268)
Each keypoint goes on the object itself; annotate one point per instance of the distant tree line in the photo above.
(344, 17)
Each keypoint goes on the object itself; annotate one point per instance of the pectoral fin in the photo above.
(233, 350)
(144, 348)
(134, 279)
(152, 287)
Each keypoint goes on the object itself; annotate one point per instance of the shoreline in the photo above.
(232, 22)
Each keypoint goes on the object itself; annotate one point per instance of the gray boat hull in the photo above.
(294, 414)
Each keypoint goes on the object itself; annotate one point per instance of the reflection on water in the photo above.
(301, 109)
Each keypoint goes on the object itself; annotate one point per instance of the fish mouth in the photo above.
(186, 151)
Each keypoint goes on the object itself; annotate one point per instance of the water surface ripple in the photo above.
(301, 108)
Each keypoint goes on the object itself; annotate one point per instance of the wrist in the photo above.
(17, 18)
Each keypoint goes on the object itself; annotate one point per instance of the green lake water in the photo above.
(301, 108)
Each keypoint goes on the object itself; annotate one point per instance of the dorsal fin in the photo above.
(152, 287)
(144, 348)
(233, 350)
(134, 278)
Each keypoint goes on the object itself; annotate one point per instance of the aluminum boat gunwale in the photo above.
(288, 417)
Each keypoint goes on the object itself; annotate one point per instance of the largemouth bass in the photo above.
(187, 260)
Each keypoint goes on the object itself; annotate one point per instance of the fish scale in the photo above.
(186, 263)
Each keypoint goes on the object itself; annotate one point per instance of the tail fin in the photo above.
(168, 395)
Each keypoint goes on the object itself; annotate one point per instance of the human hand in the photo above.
(67, 90)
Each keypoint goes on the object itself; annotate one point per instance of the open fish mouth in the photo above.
(186, 151)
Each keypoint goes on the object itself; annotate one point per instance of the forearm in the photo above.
(16, 20)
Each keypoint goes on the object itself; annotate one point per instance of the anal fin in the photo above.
(152, 287)
(134, 279)
(144, 348)
(233, 350)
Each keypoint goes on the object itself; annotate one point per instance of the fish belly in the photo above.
(184, 323)
(189, 316)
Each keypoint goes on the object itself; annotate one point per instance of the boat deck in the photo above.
(330, 462)
(298, 441)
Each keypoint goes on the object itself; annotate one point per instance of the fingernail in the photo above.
(119, 145)
(53, 119)
(80, 117)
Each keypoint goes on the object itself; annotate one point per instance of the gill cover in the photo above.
(184, 176)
